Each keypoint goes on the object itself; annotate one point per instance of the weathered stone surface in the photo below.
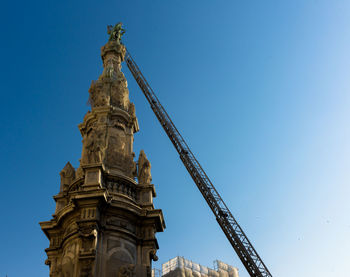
(144, 169)
(105, 222)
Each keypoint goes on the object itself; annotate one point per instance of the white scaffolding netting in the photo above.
(188, 268)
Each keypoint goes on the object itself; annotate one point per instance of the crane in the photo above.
(234, 233)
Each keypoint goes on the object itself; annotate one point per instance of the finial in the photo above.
(116, 32)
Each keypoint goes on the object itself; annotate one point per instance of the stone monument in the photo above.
(105, 222)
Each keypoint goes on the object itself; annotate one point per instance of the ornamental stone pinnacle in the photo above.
(105, 222)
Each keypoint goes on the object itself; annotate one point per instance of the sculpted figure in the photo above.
(100, 100)
(94, 145)
(116, 32)
(120, 95)
(89, 237)
(132, 111)
(109, 70)
(144, 169)
(122, 79)
(67, 176)
(67, 264)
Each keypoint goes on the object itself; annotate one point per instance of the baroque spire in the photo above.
(108, 129)
(105, 221)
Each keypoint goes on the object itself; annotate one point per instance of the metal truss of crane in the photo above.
(234, 233)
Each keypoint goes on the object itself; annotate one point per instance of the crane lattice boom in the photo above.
(232, 230)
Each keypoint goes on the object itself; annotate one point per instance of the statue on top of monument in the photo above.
(116, 32)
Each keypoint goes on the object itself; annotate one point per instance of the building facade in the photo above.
(181, 267)
(105, 222)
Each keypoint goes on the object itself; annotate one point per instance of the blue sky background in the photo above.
(259, 89)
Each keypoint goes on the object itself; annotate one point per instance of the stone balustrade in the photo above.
(121, 187)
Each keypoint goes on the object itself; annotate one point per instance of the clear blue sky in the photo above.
(259, 89)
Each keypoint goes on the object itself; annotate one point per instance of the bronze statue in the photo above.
(115, 32)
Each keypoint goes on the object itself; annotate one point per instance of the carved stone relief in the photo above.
(111, 87)
(109, 71)
(114, 60)
(120, 92)
(126, 271)
(118, 123)
(117, 146)
(94, 146)
(99, 94)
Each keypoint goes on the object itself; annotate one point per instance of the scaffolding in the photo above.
(188, 268)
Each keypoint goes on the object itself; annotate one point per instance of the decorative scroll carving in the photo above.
(71, 228)
(117, 123)
(87, 229)
(116, 149)
(153, 255)
(144, 169)
(88, 233)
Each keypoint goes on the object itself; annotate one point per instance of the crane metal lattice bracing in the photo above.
(227, 222)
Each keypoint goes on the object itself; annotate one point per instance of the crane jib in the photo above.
(239, 241)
